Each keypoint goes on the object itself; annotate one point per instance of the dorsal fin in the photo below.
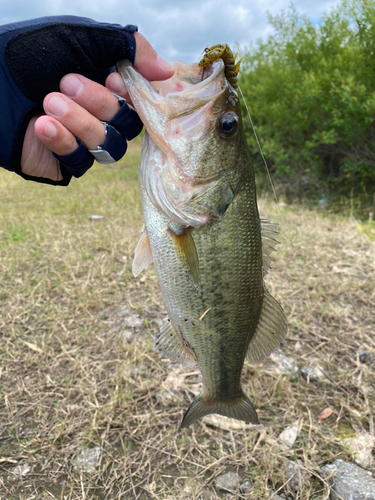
(269, 232)
(142, 254)
(169, 345)
(270, 331)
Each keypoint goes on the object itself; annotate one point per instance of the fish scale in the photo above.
(203, 233)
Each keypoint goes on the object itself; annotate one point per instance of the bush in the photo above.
(311, 92)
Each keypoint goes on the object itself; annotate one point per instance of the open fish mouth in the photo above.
(182, 94)
(180, 116)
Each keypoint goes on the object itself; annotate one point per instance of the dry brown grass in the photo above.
(71, 381)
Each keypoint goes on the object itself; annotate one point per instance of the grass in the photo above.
(70, 380)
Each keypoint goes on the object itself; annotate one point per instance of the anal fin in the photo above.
(271, 330)
(168, 344)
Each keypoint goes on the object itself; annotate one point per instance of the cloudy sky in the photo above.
(177, 29)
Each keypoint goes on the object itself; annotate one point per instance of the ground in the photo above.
(78, 370)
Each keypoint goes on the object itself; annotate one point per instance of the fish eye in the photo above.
(228, 124)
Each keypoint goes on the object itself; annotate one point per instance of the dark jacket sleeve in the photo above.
(35, 55)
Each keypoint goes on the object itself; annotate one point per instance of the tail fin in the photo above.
(240, 408)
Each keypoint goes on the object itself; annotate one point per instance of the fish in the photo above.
(203, 232)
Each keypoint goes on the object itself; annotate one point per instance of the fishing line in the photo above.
(259, 146)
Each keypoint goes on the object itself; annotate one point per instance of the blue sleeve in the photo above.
(35, 55)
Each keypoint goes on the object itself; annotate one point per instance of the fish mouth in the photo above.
(180, 95)
(177, 113)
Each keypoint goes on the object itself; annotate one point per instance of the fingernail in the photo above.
(57, 106)
(163, 64)
(50, 130)
(71, 86)
(117, 84)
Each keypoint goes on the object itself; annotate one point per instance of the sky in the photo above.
(177, 29)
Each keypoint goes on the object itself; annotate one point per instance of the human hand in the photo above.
(78, 112)
(35, 55)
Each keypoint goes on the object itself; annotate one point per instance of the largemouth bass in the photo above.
(203, 233)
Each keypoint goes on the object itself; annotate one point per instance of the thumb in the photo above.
(148, 63)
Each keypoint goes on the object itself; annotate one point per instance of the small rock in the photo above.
(296, 475)
(361, 447)
(289, 435)
(137, 370)
(275, 496)
(246, 487)
(312, 373)
(96, 217)
(88, 459)
(364, 356)
(228, 481)
(224, 423)
(283, 364)
(206, 495)
(20, 470)
(348, 481)
(133, 321)
(124, 311)
(127, 335)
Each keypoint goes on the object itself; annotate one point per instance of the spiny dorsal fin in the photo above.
(169, 345)
(270, 331)
(142, 255)
(186, 251)
(269, 232)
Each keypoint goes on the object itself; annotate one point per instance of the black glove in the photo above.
(34, 56)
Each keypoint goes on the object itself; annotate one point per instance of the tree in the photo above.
(311, 91)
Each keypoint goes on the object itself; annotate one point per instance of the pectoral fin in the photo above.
(142, 255)
(186, 251)
(270, 331)
(168, 344)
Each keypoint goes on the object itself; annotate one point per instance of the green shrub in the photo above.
(311, 92)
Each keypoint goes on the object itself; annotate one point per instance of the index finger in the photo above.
(96, 99)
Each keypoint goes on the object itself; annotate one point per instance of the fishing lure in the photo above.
(213, 52)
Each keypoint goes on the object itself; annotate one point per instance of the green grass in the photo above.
(70, 380)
